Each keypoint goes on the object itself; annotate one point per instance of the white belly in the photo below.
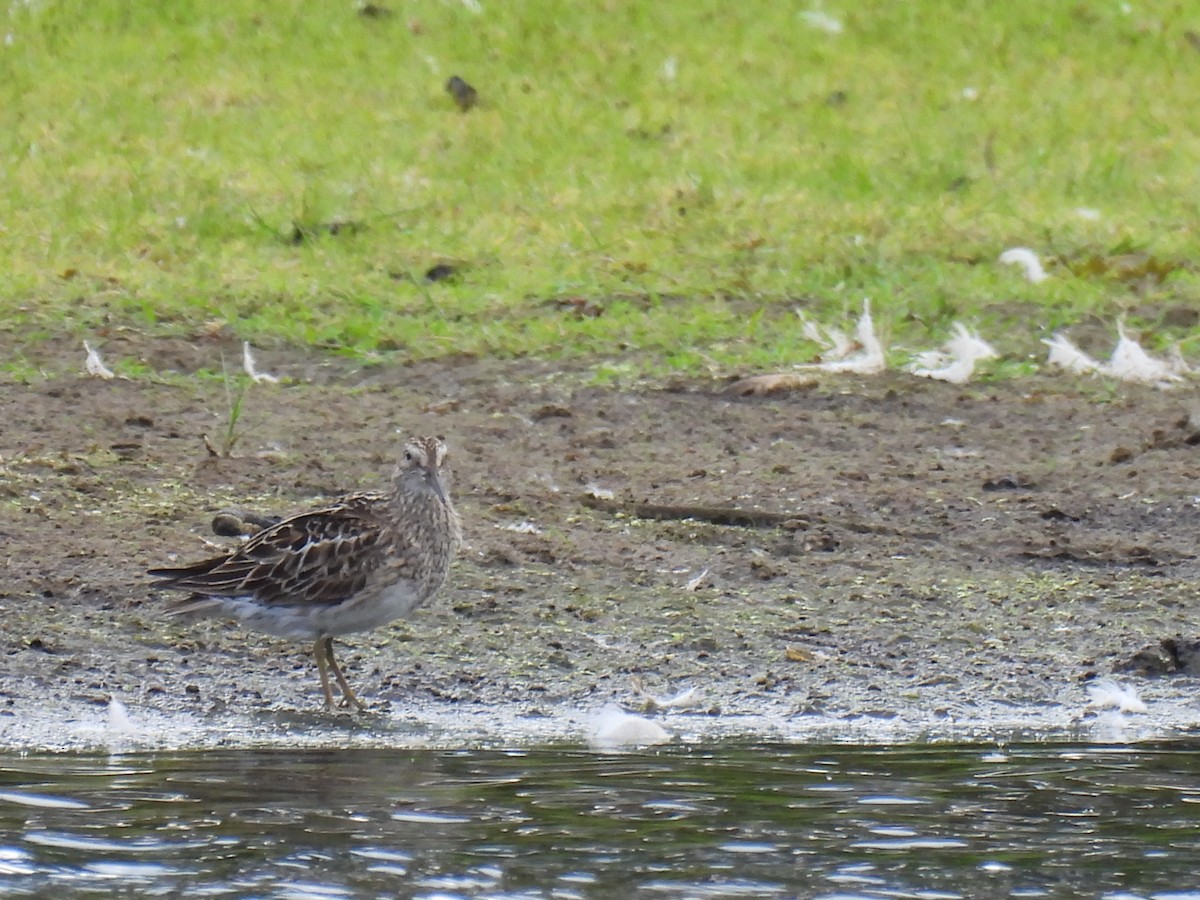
(361, 613)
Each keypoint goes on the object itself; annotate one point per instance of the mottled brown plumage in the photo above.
(353, 565)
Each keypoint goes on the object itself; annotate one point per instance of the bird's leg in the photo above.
(320, 649)
(348, 697)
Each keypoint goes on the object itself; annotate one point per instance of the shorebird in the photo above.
(356, 564)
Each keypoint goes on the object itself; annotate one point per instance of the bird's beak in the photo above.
(435, 482)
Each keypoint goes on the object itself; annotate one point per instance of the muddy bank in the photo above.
(863, 559)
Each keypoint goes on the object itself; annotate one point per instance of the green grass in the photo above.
(159, 156)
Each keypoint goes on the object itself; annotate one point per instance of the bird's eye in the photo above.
(408, 456)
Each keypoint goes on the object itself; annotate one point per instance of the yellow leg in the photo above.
(348, 697)
(320, 649)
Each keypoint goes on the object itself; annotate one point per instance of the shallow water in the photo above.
(756, 821)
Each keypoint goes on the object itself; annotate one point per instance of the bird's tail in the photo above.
(178, 578)
(182, 573)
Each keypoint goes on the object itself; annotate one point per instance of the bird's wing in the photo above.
(313, 558)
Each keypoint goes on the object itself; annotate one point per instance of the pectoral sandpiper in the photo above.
(356, 564)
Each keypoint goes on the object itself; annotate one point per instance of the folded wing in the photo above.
(318, 557)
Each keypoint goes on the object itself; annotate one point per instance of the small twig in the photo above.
(743, 518)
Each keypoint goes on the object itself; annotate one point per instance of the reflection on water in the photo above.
(940, 821)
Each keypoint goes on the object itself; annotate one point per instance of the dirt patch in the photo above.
(855, 552)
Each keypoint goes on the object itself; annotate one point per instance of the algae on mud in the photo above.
(952, 561)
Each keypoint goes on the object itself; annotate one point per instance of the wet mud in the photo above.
(856, 559)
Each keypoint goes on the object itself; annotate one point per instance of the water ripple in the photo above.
(679, 822)
(43, 801)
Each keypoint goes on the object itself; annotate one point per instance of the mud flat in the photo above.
(860, 559)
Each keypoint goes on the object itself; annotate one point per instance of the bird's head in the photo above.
(421, 467)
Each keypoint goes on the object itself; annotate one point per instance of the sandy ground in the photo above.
(860, 559)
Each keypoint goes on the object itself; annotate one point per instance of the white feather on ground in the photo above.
(822, 21)
(1108, 694)
(1029, 262)
(522, 527)
(95, 365)
(683, 700)
(119, 722)
(835, 343)
(1129, 361)
(1066, 356)
(615, 729)
(955, 362)
(694, 583)
(251, 369)
(869, 360)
